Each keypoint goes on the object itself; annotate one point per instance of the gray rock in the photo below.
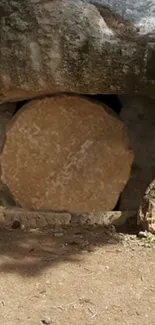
(103, 46)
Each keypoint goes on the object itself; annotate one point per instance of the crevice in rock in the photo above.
(112, 101)
(7, 110)
(129, 226)
(20, 104)
(117, 205)
(138, 115)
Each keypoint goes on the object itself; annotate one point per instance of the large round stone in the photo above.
(66, 153)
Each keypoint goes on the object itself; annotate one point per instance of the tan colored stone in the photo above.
(66, 153)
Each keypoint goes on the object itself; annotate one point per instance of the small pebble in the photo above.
(142, 234)
(132, 237)
(16, 224)
(107, 267)
(112, 241)
(58, 234)
(118, 250)
(46, 320)
(148, 245)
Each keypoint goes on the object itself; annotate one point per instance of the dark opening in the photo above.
(19, 105)
(112, 101)
(115, 104)
(117, 206)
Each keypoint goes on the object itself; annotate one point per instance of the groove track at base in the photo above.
(49, 219)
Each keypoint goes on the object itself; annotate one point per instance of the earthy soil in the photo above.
(76, 276)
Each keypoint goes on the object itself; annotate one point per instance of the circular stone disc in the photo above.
(66, 153)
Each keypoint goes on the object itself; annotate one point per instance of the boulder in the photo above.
(89, 47)
(66, 153)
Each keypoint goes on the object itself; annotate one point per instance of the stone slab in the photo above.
(66, 153)
(47, 219)
(90, 47)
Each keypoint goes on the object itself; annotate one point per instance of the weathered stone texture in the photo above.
(66, 153)
(105, 46)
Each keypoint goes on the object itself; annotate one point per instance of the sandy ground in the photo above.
(76, 276)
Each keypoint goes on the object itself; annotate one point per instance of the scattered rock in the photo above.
(58, 234)
(16, 224)
(107, 267)
(112, 241)
(142, 234)
(146, 245)
(146, 212)
(46, 320)
(66, 153)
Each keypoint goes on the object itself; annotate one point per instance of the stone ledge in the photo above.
(49, 219)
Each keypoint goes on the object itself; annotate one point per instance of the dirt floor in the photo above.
(76, 276)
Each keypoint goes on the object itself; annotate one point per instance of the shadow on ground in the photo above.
(29, 253)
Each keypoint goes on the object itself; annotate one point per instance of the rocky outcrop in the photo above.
(66, 153)
(146, 212)
(93, 46)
